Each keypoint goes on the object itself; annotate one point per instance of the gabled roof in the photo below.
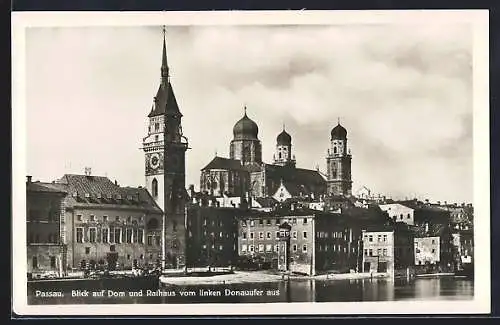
(99, 191)
(41, 187)
(224, 163)
(296, 180)
(164, 102)
(266, 202)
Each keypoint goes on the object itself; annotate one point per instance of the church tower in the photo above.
(283, 155)
(338, 163)
(165, 150)
(246, 145)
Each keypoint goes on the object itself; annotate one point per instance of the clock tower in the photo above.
(165, 151)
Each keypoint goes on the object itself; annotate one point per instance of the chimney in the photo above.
(116, 183)
(28, 179)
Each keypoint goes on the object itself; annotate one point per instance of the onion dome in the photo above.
(245, 128)
(284, 138)
(339, 132)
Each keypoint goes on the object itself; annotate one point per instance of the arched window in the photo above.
(334, 149)
(153, 223)
(154, 187)
(279, 155)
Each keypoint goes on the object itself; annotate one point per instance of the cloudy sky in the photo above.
(404, 93)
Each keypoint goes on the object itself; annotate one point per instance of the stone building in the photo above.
(165, 158)
(45, 228)
(387, 249)
(318, 241)
(212, 235)
(338, 163)
(245, 174)
(107, 225)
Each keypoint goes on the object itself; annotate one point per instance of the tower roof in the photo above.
(284, 138)
(245, 128)
(164, 101)
(339, 132)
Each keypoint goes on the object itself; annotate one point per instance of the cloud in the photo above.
(402, 91)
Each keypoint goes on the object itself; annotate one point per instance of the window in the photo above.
(53, 262)
(105, 234)
(384, 253)
(220, 247)
(112, 248)
(251, 235)
(118, 235)
(277, 248)
(370, 252)
(135, 235)
(79, 235)
(294, 247)
(304, 234)
(370, 238)
(268, 235)
(128, 256)
(34, 262)
(408, 216)
(157, 240)
(294, 234)
(433, 251)
(379, 238)
(154, 187)
(294, 221)
(244, 235)
(433, 242)
(92, 217)
(304, 221)
(277, 234)
(117, 218)
(261, 247)
(304, 248)
(105, 218)
(269, 248)
(252, 223)
(379, 251)
(92, 235)
(243, 223)
(243, 248)
(401, 216)
(87, 250)
(261, 222)
(111, 234)
(251, 248)
(385, 237)
(79, 217)
(268, 222)
(277, 221)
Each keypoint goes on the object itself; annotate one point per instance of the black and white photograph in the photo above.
(226, 162)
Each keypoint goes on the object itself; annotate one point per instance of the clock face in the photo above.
(154, 161)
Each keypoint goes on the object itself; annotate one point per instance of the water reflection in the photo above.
(297, 291)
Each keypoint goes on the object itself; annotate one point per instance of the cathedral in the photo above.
(244, 174)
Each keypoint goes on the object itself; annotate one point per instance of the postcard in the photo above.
(245, 162)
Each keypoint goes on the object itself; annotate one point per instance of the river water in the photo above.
(444, 288)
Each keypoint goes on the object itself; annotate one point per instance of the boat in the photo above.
(97, 281)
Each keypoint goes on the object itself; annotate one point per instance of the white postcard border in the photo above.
(479, 18)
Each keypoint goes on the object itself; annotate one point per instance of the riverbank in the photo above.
(260, 277)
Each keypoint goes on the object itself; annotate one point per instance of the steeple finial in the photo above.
(338, 120)
(164, 64)
(283, 126)
(245, 109)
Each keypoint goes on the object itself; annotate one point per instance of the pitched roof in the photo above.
(98, 191)
(41, 187)
(164, 101)
(224, 163)
(296, 180)
(266, 202)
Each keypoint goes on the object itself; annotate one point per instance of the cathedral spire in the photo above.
(164, 64)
